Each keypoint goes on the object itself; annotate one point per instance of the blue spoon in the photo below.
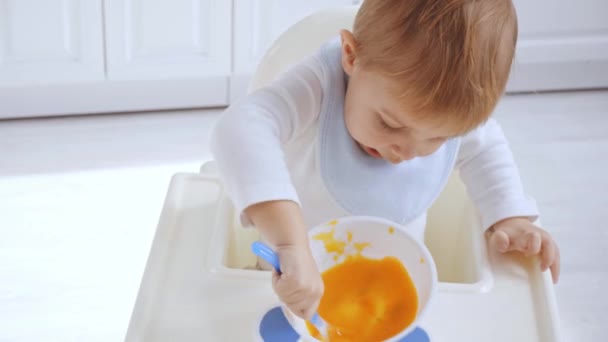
(263, 251)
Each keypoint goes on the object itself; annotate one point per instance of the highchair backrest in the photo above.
(304, 38)
(300, 40)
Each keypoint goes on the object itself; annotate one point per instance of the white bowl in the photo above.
(385, 238)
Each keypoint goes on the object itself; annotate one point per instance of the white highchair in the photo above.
(199, 286)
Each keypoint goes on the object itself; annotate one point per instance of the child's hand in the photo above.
(519, 234)
(300, 285)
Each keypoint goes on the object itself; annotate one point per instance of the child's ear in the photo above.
(349, 51)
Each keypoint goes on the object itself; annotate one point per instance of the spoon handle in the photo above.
(263, 251)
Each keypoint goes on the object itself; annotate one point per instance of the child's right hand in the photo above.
(300, 285)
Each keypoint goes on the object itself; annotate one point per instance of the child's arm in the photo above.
(247, 144)
(492, 179)
(247, 140)
(299, 285)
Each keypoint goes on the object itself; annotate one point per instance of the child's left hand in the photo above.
(519, 234)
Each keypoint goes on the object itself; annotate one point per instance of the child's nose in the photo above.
(403, 152)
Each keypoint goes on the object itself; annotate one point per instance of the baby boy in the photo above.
(373, 124)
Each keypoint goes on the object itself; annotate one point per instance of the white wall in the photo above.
(562, 45)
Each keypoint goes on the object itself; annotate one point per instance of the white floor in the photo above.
(80, 196)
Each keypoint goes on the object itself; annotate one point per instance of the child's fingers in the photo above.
(304, 309)
(533, 243)
(550, 257)
(500, 241)
(282, 286)
(556, 266)
(548, 254)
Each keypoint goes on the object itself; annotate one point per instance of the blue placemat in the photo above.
(275, 328)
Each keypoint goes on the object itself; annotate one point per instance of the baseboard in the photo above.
(112, 96)
(559, 76)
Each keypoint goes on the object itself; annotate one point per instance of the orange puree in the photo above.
(367, 299)
(332, 245)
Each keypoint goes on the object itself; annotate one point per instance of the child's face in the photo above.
(381, 127)
(377, 121)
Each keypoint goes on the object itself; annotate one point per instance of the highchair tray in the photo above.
(197, 285)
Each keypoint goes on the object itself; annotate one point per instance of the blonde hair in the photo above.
(450, 59)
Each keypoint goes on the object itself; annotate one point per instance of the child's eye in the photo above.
(385, 125)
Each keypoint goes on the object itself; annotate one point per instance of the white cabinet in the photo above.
(50, 42)
(60, 57)
(160, 39)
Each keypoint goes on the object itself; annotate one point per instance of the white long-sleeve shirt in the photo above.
(267, 147)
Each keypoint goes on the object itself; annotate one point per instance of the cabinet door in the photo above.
(50, 42)
(162, 39)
